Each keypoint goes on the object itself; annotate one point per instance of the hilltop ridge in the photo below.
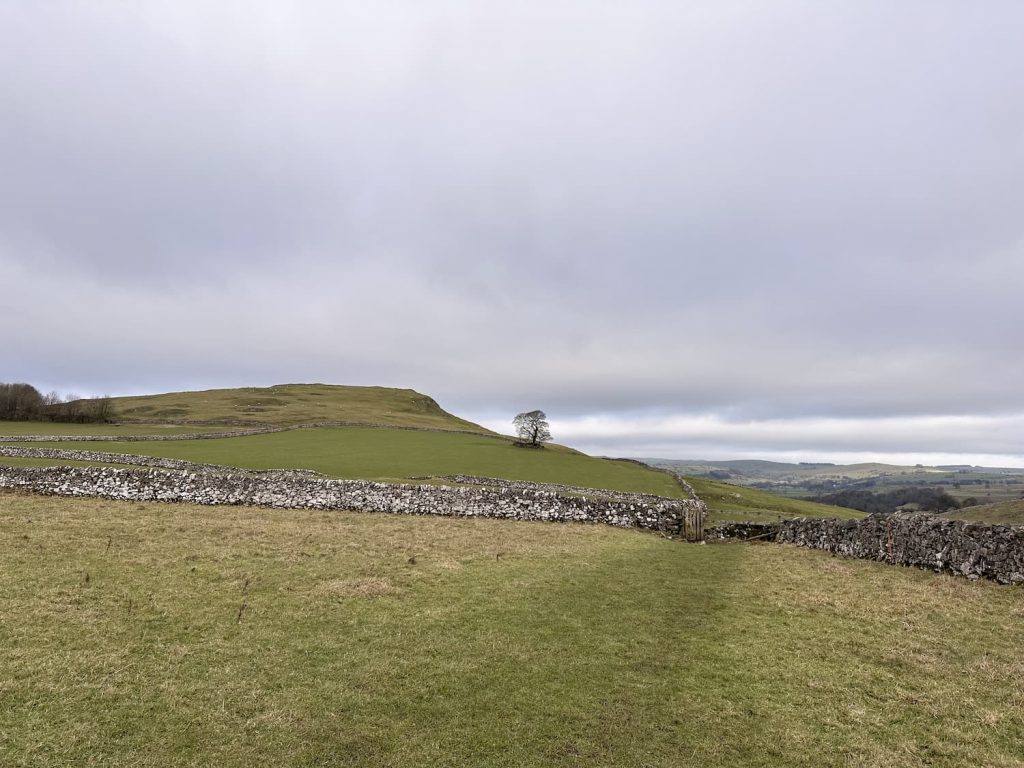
(291, 404)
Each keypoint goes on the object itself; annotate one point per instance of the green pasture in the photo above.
(731, 503)
(398, 454)
(170, 635)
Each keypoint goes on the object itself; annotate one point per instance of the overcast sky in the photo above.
(684, 229)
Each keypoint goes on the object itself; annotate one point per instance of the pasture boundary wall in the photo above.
(921, 540)
(291, 491)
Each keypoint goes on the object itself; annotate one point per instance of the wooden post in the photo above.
(693, 525)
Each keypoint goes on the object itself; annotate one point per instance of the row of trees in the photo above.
(23, 402)
(929, 499)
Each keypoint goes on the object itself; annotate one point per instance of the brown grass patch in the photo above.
(365, 587)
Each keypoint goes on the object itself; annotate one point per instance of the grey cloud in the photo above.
(751, 210)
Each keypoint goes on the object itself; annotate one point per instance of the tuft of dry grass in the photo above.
(364, 587)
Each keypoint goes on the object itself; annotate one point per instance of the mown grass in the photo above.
(731, 503)
(167, 635)
(288, 404)
(396, 454)
(1004, 512)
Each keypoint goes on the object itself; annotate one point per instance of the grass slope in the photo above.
(729, 503)
(288, 404)
(396, 454)
(1005, 512)
(164, 635)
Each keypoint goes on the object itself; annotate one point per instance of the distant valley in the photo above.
(989, 493)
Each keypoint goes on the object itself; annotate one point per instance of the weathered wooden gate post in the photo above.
(693, 523)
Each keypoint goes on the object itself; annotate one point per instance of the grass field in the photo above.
(166, 635)
(1005, 512)
(288, 404)
(729, 503)
(397, 454)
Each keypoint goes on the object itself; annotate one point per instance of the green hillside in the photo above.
(288, 404)
(1004, 512)
(729, 503)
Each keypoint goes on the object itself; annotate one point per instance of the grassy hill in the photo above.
(288, 404)
(729, 503)
(1004, 512)
(172, 635)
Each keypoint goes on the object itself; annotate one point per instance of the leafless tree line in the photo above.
(23, 402)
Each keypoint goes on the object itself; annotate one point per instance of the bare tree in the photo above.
(103, 408)
(532, 428)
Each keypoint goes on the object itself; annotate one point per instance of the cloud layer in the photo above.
(651, 215)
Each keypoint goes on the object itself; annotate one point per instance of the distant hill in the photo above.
(729, 503)
(288, 404)
(965, 483)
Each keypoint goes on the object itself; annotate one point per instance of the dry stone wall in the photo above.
(102, 457)
(257, 430)
(135, 438)
(522, 485)
(297, 492)
(974, 550)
